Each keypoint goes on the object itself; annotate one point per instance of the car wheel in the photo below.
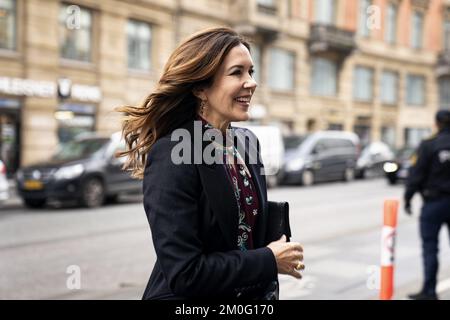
(93, 193)
(307, 178)
(349, 174)
(35, 203)
(361, 174)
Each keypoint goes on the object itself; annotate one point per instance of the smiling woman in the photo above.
(209, 222)
(228, 98)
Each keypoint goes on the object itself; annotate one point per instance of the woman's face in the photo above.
(228, 98)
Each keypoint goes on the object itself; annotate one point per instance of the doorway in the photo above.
(10, 141)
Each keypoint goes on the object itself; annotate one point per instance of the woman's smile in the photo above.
(243, 101)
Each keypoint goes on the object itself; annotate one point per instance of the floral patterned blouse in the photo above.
(244, 191)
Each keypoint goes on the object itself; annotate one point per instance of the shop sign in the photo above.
(27, 87)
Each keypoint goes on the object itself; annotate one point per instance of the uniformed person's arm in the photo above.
(418, 172)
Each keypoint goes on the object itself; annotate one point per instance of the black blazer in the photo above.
(193, 216)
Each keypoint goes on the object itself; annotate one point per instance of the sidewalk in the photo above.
(443, 287)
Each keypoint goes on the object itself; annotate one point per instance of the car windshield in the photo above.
(405, 153)
(374, 148)
(292, 142)
(79, 149)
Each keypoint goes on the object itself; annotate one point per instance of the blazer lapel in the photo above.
(255, 171)
(219, 192)
(221, 199)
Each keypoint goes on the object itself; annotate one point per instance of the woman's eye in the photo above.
(238, 72)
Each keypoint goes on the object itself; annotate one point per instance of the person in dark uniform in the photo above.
(430, 175)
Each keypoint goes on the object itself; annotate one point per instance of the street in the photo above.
(338, 224)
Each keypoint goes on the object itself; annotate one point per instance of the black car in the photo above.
(84, 169)
(397, 170)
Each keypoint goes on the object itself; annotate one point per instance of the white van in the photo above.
(272, 148)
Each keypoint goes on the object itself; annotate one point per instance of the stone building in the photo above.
(380, 68)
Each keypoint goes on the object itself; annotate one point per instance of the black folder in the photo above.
(278, 221)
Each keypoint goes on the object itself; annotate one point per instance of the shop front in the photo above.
(74, 119)
(10, 134)
(75, 113)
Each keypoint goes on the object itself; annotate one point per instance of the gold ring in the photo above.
(300, 266)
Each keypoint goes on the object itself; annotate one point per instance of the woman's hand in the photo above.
(289, 257)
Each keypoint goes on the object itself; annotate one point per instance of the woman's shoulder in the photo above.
(165, 167)
(166, 143)
(172, 151)
(165, 163)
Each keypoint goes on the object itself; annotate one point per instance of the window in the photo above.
(8, 24)
(335, 126)
(413, 136)
(266, 3)
(324, 77)
(363, 132)
(324, 11)
(388, 135)
(389, 87)
(256, 57)
(281, 69)
(417, 30)
(363, 83)
(74, 119)
(75, 26)
(447, 35)
(363, 29)
(444, 93)
(139, 45)
(390, 35)
(342, 143)
(415, 90)
(267, 6)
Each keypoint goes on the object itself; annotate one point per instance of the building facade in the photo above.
(380, 68)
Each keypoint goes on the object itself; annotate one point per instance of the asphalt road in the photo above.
(107, 253)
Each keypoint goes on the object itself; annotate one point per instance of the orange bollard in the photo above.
(387, 249)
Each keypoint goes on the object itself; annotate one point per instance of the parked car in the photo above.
(372, 159)
(320, 156)
(397, 170)
(83, 169)
(272, 149)
(4, 186)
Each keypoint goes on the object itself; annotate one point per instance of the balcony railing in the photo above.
(330, 38)
(257, 19)
(424, 4)
(267, 9)
(443, 64)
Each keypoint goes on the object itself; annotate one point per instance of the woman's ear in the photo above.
(199, 93)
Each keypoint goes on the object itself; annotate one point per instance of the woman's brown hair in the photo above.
(192, 65)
